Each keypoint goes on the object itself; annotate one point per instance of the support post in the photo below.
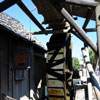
(90, 97)
(93, 77)
(97, 10)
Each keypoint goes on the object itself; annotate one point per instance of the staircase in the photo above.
(58, 76)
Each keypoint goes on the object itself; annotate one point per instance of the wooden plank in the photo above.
(56, 98)
(51, 76)
(58, 57)
(55, 83)
(56, 63)
(97, 11)
(91, 30)
(56, 74)
(60, 66)
(63, 31)
(53, 56)
(57, 92)
(52, 51)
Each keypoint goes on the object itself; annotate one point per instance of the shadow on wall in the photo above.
(40, 78)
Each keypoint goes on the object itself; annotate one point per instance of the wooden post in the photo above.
(68, 67)
(90, 97)
(97, 10)
(91, 72)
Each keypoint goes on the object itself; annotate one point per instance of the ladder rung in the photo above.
(55, 64)
(53, 79)
(57, 54)
(57, 69)
(54, 60)
(56, 87)
(56, 96)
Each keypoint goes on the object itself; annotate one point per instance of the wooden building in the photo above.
(22, 62)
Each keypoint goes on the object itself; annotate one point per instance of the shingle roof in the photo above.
(15, 26)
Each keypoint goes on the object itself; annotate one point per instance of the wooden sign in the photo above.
(22, 60)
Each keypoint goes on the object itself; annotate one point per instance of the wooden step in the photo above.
(56, 96)
(51, 98)
(56, 87)
(55, 83)
(55, 92)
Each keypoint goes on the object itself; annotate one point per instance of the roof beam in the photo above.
(88, 17)
(91, 30)
(54, 21)
(6, 4)
(29, 14)
(63, 31)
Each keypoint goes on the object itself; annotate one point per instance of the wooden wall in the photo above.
(25, 88)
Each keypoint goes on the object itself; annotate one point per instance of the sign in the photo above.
(22, 60)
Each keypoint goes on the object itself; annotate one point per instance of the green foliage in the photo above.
(91, 54)
(76, 64)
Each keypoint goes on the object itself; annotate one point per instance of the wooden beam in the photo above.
(54, 55)
(82, 3)
(72, 22)
(29, 14)
(55, 64)
(97, 11)
(63, 31)
(6, 4)
(77, 35)
(55, 74)
(54, 21)
(88, 17)
(91, 30)
(81, 32)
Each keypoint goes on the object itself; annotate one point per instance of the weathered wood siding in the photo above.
(3, 64)
(19, 89)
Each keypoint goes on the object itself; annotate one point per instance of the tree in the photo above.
(76, 64)
(91, 54)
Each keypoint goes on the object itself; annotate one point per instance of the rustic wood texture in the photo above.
(74, 7)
